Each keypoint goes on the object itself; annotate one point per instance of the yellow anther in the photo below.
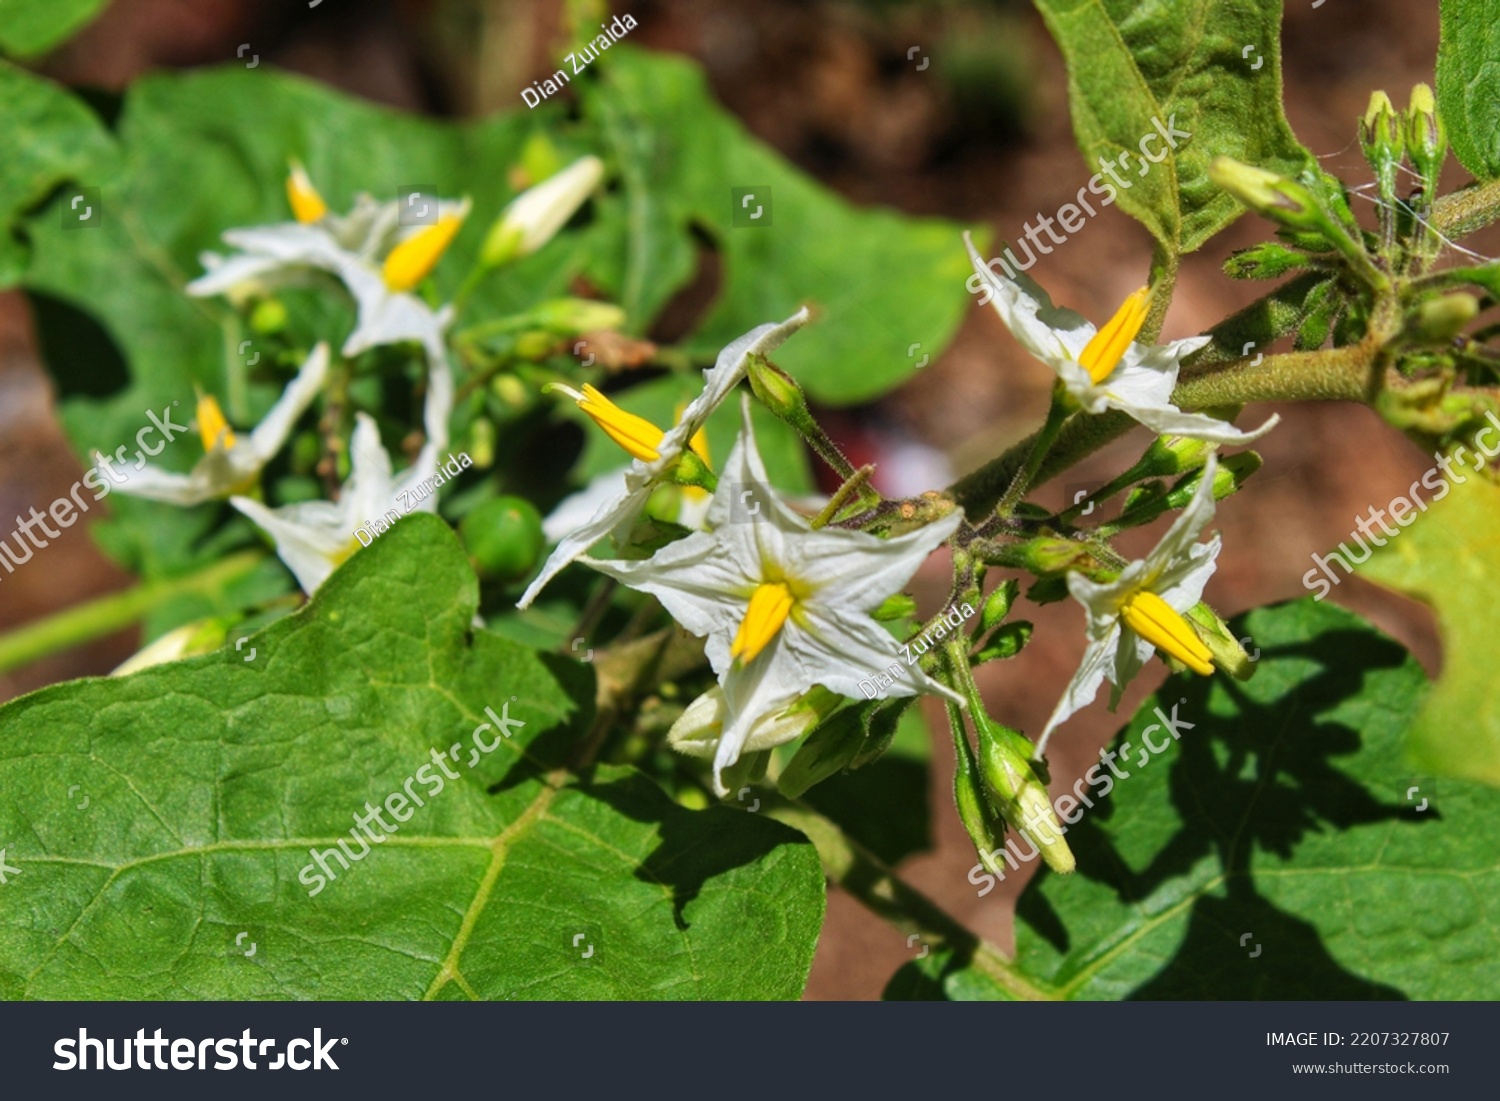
(212, 426)
(307, 205)
(1151, 617)
(409, 262)
(636, 435)
(770, 604)
(1102, 354)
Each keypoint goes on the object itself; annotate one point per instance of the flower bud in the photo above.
(1440, 319)
(778, 391)
(186, 641)
(1380, 132)
(1019, 793)
(974, 812)
(1426, 136)
(1006, 642)
(696, 731)
(1267, 193)
(577, 315)
(1171, 455)
(268, 317)
(1050, 557)
(997, 606)
(535, 215)
(1269, 260)
(1228, 654)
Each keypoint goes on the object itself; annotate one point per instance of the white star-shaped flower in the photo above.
(783, 606)
(314, 538)
(1142, 609)
(655, 451)
(1105, 368)
(230, 463)
(377, 259)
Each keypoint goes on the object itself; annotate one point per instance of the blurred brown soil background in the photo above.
(980, 135)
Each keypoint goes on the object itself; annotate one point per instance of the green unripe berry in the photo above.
(504, 538)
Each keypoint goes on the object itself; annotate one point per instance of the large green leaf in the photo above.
(29, 27)
(208, 782)
(888, 289)
(1276, 850)
(1283, 848)
(48, 138)
(1468, 82)
(1450, 559)
(1195, 61)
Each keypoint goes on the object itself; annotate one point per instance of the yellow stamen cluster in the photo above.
(1151, 617)
(769, 606)
(212, 426)
(307, 205)
(1102, 354)
(410, 262)
(636, 435)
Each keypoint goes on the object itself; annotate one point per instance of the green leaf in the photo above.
(30, 27)
(888, 289)
(1450, 560)
(1130, 64)
(48, 138)
(1277, 849)
(1468, 82)
(209, 781)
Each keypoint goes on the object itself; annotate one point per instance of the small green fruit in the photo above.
(504, 538)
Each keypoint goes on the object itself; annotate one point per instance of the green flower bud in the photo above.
(577, 315)
(1265, 261)
(1170, 455)
(1383, 138)
(1380, 132)
(1006, 642)
(974, 812)
(1049, 557)
(1439, 320)
(997, 606)
(1426, 136)
(1267, 193)
(778, 391)
(1228, 654)
(509, 389)
(1019, 793)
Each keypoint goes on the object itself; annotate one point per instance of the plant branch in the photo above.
(1460, 213)
(97, 618)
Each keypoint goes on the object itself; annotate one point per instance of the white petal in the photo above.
(1084, 686)
(618, 513)
(1183, 533)
(575, 510)
(720, 379)
(751, 693)
(272, 431)
(1052, 335)
(304, 540)
(838, 650)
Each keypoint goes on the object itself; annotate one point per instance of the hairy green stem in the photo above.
(1460, 213)
(111, 613)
